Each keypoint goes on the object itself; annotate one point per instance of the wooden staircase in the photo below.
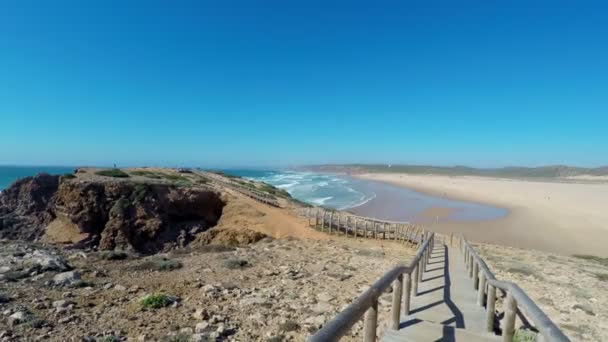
(444, 308)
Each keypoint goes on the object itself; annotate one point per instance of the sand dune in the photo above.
(558, 217)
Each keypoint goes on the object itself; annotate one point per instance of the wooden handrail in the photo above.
(367, 303)
(516, 298)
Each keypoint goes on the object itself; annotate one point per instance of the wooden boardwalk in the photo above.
(444, 308)
(445, 293)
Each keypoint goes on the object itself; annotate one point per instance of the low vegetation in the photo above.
(113, 255)
(522, 335)
(594, 258)
(156, 301)
(161, 175)
(236, 264)
(120, 207)
(116, 173)
(158, 263)
(140, 192)
(289, 326)
(67, 176)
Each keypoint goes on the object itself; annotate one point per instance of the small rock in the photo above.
(585, 308)
(208, 288)
(201, 327)
(17, 318)
(120, 288)
(66, 278)
(200, 314)
(62, 303)
(325, 297)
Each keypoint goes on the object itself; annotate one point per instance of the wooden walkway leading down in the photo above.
(445, 307)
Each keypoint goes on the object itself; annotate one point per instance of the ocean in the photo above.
(328, 190)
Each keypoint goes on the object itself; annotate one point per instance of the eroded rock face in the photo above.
(23, 207)
(126, 215)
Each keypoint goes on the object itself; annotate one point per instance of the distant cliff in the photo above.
(557, 171)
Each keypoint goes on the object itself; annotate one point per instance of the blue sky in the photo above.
(277, 83)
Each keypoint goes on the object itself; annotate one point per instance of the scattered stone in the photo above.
(17, 318)
(585, 308)
(120, 288)
(325, 297)
(66, 278)
(200, 314)
(201, 327)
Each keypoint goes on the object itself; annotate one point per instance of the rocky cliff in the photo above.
(144, 217)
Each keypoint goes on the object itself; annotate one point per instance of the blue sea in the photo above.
(328, 190)
(9, 174)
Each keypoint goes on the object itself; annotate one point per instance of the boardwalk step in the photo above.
(426, 331)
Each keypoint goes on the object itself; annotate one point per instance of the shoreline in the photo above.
(563, 218)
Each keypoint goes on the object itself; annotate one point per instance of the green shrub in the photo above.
(602, 276)
(158, 263)
(120, 207)
(524, 336)
(176, 178)
(140, 192)
(203, 180)
(148, 174)
(156, 301)
(236, 263)
(113, 255)
(599, 260)
(289, 326)
(116, 173)
(67, 176)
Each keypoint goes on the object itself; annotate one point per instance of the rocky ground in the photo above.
(272, 290)
(570, 289)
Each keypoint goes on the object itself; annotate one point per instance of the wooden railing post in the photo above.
(475, 274)
(408, 293)
(420, 269)
(415, 280)
(355, 226)
(371, 322)
(481, 291)
(470, 261)
(323, 221)
(508, 327)
(397, 292)
(331, 218)
(490, 306)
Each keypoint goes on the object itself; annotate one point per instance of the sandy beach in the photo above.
(559, 217)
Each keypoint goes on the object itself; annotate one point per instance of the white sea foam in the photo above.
(320, 201)
(288, 185)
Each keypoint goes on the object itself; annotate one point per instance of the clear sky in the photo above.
(254, 83)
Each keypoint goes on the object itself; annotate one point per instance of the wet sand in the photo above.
(565, 218)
